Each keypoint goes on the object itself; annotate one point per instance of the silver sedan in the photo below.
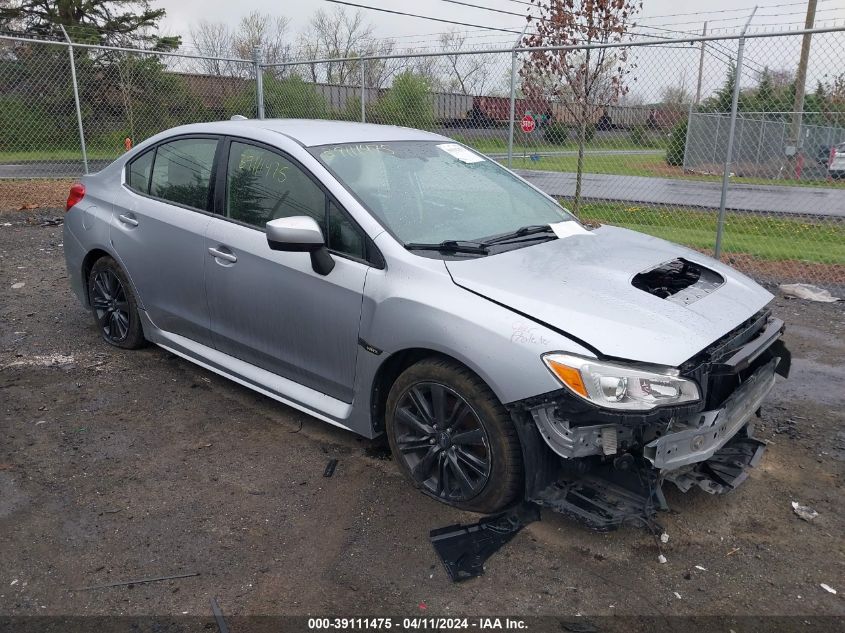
(392, 281)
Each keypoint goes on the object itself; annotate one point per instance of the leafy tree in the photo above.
(116, 22)
(584, 80)
(409, 101)
(722, 100)
(677, 144)
(293, 98)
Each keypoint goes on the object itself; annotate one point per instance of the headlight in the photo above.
(620, 386)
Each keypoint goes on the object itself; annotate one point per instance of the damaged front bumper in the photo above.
(607, 469)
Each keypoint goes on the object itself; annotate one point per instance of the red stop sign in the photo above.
(528, 124)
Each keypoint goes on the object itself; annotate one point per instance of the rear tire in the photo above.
(113, 305)
(452, 438)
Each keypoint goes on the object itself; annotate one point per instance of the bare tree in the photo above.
(468, 73)
(584, 79)
(677, 95)
(215, 40)
(337, 34)
(212, 40)
(266, 31)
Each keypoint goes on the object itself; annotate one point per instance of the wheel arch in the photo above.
(91, 257)
(392, 367)
(96, 254)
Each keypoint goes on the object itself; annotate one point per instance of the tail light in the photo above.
(77, 192)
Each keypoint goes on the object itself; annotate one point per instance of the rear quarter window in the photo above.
(138, 174)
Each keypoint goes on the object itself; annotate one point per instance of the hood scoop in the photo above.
(679, 280)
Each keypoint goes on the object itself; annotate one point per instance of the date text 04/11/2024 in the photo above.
(416, 623)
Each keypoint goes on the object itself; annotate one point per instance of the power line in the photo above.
(422, 17)
(491, 9)
(720, 11)
(740, 18)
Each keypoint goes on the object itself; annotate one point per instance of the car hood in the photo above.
(581, 285)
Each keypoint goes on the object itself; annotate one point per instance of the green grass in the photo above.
(621, 165)
(769, 238)
(539, 144)
(57, 154)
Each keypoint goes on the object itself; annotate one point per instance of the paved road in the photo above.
(49, 169)
(817, 201)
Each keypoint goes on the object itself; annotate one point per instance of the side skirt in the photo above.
(293, 394)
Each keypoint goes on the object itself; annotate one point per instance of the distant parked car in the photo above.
(392, 281)
(836, 169)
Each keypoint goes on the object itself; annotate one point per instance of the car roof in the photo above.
(310, 132)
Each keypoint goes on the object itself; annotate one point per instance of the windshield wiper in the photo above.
(532, 229)
(450, 246)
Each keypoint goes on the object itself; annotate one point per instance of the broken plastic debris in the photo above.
(18, 285)
(828, 588)
(664, 538)
(661, 559)
(465, 548)
(677, 595)
(330, 467)
(700, 567)
(807, 291)
(805, 512)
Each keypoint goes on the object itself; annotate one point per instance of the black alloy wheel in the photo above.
(111, 306)
(442, 442)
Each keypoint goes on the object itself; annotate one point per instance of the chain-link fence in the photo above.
(67, 109)
(701, 141)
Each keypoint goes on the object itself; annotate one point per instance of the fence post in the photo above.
(687, 135)
(363, 91)
(720, 227)
(513, 96)
(76, 100)
(259, 80)
(512, 109)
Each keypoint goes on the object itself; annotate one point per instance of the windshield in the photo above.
(432, 191)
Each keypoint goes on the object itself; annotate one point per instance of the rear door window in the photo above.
(182, 171)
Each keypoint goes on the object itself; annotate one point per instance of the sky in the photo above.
(655, 69)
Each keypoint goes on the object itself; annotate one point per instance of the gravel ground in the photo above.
(120, 465)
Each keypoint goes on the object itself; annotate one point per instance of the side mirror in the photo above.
(300, 234)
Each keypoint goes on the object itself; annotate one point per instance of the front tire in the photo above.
(452, 438)
(113, 305)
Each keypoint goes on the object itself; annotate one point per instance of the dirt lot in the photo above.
(122, 465)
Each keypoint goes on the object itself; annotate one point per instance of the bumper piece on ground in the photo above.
(465, 548)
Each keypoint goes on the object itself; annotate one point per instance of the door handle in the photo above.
(229, 257)
(128, 220)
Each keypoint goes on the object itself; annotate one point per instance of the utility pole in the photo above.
(700, 66)
(794, 143)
